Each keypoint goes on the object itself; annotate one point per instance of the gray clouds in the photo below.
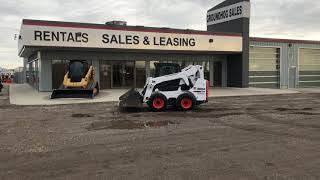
(271, 18)
(298, 19)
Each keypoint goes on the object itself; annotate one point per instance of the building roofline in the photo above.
(292, 41)
(123, 28)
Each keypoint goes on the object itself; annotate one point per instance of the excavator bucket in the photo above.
(131, 99)
(72, 93)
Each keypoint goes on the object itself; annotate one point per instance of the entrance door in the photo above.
(217, 74)
(141, 73)
(59, 69)
(105, 75)
(123, 74)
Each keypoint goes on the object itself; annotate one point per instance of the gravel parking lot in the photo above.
(254, 137)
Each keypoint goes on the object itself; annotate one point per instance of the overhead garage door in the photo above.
(309, 67)
(264, 67)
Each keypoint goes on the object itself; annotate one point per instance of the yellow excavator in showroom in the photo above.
(78, 82)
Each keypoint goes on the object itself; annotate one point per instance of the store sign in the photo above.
(228, 13)
(52, 36)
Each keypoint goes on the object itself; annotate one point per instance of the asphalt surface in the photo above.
(257, 137)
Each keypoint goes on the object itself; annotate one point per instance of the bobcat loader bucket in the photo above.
(91, 91)
(72, 93)
(131, 99)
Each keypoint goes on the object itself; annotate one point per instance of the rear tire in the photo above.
(157, 102)
(186, 102)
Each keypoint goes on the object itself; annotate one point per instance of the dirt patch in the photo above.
(307, 109)
(269, 164)
(305, 113)
(202, 109)
(132, 110)
(293, 109)
(282, 109)
(196, 114)
(159, 123)
(248, 128)
(82, 115)
(228, 114)
(126, 125)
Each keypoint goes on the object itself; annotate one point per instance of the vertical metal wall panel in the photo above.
(45, 73)
(25, 62)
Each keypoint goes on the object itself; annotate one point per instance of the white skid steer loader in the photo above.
(183, 90)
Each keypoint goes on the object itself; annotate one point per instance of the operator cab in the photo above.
(77, 70)
(163, 69)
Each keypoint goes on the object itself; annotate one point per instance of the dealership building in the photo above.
(124, 56)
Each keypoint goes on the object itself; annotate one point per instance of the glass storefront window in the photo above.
(33, 73)
(123, 74)
(59, 69)
(28, 73)
(140, 73)
(127, 74)
(153, 68)
(105, 74)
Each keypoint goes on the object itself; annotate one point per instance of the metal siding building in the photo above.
(291, 75)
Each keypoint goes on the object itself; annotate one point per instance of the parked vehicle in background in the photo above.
(6, 78)
(1, 86)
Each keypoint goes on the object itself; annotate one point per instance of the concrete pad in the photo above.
(24, 94)
(224, 92)
(309, 90)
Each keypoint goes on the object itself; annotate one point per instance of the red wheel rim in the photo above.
(186, 103)
(158, 103)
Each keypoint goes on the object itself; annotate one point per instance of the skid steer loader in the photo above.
(183, 90)
(78, 82)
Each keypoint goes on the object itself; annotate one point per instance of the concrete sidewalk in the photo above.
(23, 94)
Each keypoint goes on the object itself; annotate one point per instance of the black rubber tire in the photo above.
(153, 98)
(182, 97)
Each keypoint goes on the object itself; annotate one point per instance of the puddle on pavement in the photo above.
(304, 113)
(282, 109)
(159, 123)
(292, 109)
(82, 115)
(269, 164)
(215, 109)
(126, 125)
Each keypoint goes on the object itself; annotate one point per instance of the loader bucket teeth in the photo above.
(131, 99)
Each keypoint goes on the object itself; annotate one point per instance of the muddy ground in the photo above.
(258, 137)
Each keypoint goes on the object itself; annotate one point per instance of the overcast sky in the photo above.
(298, 19)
